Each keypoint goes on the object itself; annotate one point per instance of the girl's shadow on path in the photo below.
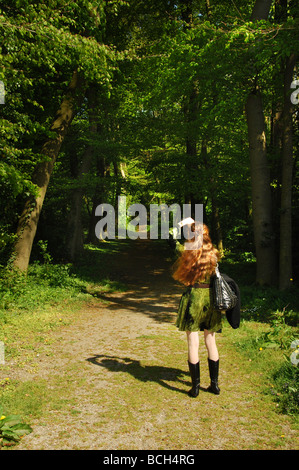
(158, 374)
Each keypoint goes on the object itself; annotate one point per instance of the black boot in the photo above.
(195, 377)
(214, 371)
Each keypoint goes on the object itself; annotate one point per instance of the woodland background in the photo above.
(161, 101)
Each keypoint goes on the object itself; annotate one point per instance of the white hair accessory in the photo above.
(194, 238)
(187, 221)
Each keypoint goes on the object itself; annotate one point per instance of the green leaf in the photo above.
(21, 429)
(11, 435)
(271, 345)
(10, 421)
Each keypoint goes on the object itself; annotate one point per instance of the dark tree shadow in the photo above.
(158, 374)
(147, 302)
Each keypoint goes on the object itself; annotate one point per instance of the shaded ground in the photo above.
(117, 376)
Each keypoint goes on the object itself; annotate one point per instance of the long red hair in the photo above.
(197, 265)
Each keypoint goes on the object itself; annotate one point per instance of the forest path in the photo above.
(117, 377)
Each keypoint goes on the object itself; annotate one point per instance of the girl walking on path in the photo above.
(194, 269)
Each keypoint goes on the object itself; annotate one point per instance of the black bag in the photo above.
(234, 314)
(223, 296)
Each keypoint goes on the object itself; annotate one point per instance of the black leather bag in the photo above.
(223, 296)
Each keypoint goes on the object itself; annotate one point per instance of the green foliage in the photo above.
(280, 334)
(285, 388)
(47, 283)
(12, 429)
(268, 348)
(143, 62)
(12, 286)
(269, 327)
(42, 44)
(43, 284)
(260, 303)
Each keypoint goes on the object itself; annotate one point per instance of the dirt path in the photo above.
(117, 377)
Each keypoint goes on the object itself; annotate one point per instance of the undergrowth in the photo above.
(270, 337)
(274, 349)
(48, 283)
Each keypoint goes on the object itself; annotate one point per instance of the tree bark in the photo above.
(285, 252)
(261, 192)
(261, 10)
(28, 221)
(75, 239)
(98, 198)
(191, 110)
(260, 174)
(75, 242)
(216, 226)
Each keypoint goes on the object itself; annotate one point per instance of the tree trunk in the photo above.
(260, 174)
(285, 252)
(29, 218)
(98, 198)
(191, 110)
(216, 227)
(75, 242)
(261, 191)
(261, 10)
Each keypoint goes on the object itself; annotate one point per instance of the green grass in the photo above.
(48, 285)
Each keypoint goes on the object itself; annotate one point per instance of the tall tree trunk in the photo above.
(261, 192)
(216, 226)
(75, 242)
(191, 109)
(260, 174)
(29, 218)
(98, 198)
(285, 252)
(261, 10)
(75, 238)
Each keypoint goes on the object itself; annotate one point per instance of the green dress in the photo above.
(196, 311)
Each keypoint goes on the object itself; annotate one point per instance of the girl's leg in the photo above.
(210, 341)
(193, 345)
(213, 361)
(193, 362)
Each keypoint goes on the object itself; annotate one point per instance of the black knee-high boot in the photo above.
(214, 372)
(195, 377)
